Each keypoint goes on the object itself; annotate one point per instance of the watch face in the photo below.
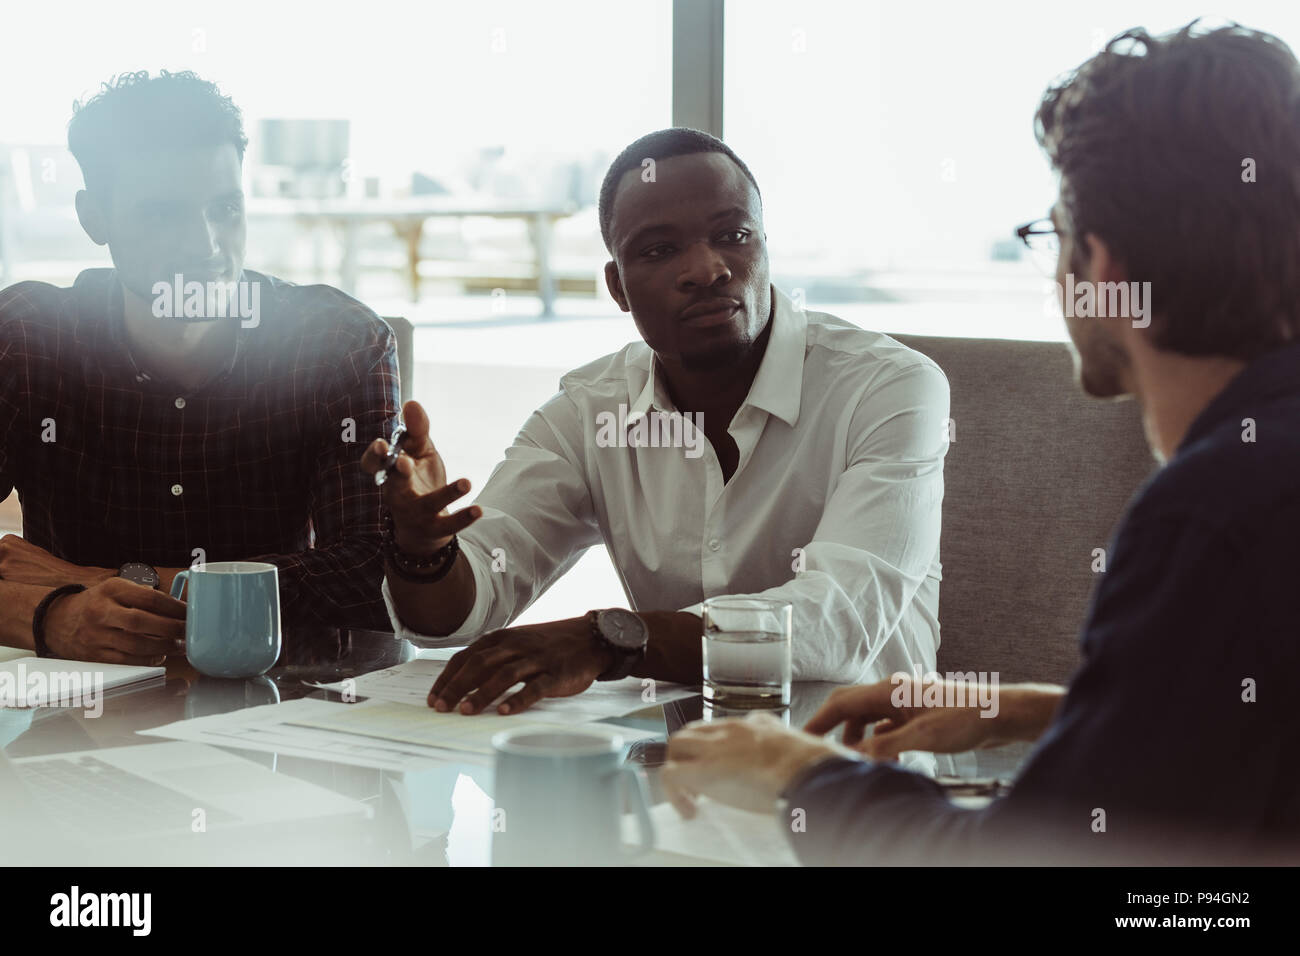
(622, 628)
(139, 573)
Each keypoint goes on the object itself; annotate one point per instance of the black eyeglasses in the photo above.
(1040, 236)
(1043, 240)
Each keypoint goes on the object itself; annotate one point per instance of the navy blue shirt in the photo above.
(1179, 738)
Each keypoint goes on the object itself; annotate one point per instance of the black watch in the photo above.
(139, 573)
(625, 634)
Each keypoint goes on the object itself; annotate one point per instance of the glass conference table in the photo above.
(439, 816)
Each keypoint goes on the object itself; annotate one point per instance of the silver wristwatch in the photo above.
(624, 633)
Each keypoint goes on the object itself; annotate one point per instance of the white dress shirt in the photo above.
(834, 505)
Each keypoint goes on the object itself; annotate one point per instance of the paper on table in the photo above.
(47, 680)
(719, 833)
(438, 653)
(409, 683)
(614, 698)
(388, 720)
(267, 729)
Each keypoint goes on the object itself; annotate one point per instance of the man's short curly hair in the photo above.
(1156, 140)
(135, 112)
(661, 144)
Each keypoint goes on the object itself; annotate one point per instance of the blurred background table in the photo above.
(407, 217)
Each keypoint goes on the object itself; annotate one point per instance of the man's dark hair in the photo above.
(1157, 140)
(136, 112)
(661, 144)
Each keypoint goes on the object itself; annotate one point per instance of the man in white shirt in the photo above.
(744, 447)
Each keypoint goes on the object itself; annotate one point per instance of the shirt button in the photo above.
(176, 490)
(714, 545)
(180, 403)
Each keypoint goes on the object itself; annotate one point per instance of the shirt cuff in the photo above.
(473, 625)
(814, 769)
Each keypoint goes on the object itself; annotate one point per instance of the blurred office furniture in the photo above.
(407, 217)
(301, 158)
(40, 236)
(404, 332)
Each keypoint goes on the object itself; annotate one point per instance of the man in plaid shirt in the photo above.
(147, 429)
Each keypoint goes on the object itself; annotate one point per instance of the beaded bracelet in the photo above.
(424, 568)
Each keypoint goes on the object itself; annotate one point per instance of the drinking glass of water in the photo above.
(747, 653)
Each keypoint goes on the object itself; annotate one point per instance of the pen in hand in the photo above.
(394, 452)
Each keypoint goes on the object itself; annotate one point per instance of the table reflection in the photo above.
(438, 816)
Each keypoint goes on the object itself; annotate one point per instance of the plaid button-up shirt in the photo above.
(260, 463)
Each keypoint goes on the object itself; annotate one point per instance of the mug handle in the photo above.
(178, 583)
(641, 806)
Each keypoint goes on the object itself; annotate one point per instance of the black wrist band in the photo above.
(38, 616)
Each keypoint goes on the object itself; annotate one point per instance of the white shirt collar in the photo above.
(777, 387)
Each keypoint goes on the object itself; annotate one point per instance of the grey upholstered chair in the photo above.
(405, 334)
(1036, 479)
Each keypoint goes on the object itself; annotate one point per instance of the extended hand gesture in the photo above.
(416, 491)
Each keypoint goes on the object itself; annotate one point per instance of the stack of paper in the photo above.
(429, 728)
(395, 729)
(410, 683)
(375, 733)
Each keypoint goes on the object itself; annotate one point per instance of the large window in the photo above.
(892, 141)
(894, 145)
(510, 107)
(513, 107)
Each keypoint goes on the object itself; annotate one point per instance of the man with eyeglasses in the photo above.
(1176, 741)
